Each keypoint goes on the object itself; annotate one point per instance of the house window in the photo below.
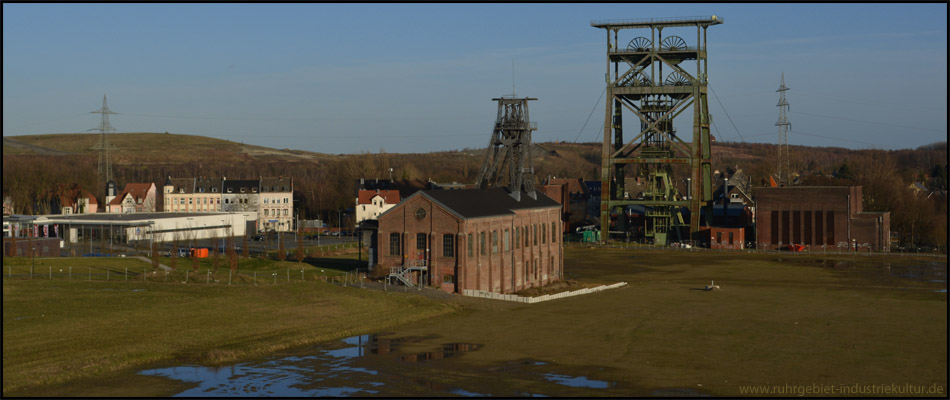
(189, 200)
(364, 208)
(494, 242)
(285, 212)
(266, 210)
(507, 242)
(544, 233)
(527, 236)
(420, 241)
(394, 244)
(265, 200)
(553, 230)
(517, 236)
(481, 242)
(286, 200)
(718, 237)
(448, 245)
(534, 234)
(471, 244)
(230, 190)
(731, 238)
(448, 279)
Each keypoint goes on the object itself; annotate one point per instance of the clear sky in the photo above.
(403, 78)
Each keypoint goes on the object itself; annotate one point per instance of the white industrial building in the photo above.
(157, 227)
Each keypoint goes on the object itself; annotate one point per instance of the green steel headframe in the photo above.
(653, 77)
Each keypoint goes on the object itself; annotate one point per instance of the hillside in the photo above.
(152, 148)
(38, 170)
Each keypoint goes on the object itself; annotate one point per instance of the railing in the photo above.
(657, 20)
(402, 274)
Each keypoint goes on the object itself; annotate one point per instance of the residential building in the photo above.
(178, 195)
(276, 211)
(371, 203)
(472, 239)
(135, 198)
(240, 195)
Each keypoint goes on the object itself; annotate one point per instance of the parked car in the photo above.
(794, 247)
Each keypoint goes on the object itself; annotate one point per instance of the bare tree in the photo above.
(194, 250)
(245, 252)
(174, 253)
(299, 243)
(214, 253)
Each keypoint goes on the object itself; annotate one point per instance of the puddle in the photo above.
(578, 381)
(463, 392)
(326, 373)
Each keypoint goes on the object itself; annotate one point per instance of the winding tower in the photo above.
(656, 76)
(510, 147)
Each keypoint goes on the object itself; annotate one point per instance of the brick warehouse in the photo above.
(474, 239)
(819, 217)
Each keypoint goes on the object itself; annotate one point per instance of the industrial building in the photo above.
(480, 239)
(127, 228)
(819, 218)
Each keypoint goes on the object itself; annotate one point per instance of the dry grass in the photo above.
(57, 332)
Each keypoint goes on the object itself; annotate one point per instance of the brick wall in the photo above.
(492, 267)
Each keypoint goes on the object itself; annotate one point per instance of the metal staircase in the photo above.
(403, 273)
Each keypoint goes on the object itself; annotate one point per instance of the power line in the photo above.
(867, 122)
(591, 113)
(726, 112)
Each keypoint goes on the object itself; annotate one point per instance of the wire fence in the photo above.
(201, 276)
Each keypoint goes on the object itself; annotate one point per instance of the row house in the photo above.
(192, 195)
(135, 198)
(276, 204)
(270, 198)
(78, 201)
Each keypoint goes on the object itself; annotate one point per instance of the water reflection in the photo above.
(327, 373)
(578, 381)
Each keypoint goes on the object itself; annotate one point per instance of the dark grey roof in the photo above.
(475, 203)
(237, 184)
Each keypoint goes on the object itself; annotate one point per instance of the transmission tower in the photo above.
(104, 147)
(510, 144)
(636, 82)
(784, 172)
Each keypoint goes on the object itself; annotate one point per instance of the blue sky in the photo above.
(403, 78)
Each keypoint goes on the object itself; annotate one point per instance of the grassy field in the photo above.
(773, 322)
(779, 319)
(61, 334)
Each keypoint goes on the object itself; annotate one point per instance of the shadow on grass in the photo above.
(341, 264)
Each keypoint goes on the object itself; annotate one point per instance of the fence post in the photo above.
(275, 277)
(288, 274)
(108, 271)
(90, 274)
(166, 276)
(144, 274)
(51, 272)
(208, 281)
(10, 272)
(186, 275)
(229, 277)
(70, 273)
(301, 275)
(126, 273)
(255, 278)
